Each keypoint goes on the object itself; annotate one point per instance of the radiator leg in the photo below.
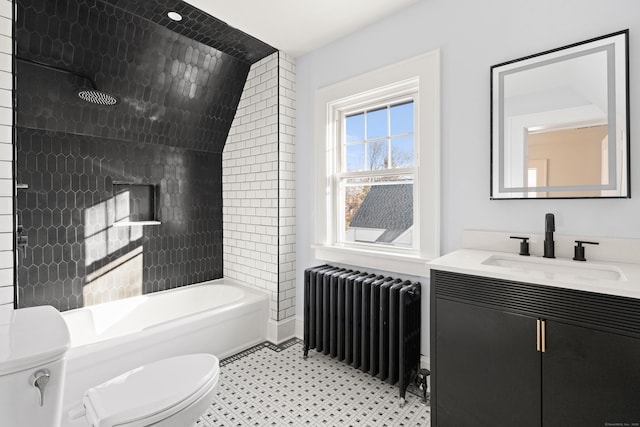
(422, 380)
(306, 353)
(402, 395)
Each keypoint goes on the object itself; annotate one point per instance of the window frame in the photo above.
(421, 73)
(408, 92)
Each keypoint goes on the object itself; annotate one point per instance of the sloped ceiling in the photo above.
(177, 84)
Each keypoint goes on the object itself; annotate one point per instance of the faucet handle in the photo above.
(578, 254)
(524, 245)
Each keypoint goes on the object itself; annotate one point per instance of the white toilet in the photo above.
(33, 341)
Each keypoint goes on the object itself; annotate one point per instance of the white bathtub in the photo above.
(220, 317)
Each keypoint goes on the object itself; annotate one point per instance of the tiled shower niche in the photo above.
(135, 204)
(177, 93)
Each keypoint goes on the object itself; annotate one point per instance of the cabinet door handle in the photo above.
(543, 346)
(537, 334)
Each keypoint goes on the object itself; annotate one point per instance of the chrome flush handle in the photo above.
(40, 380)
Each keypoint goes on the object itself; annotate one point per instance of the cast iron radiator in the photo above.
(370, 321)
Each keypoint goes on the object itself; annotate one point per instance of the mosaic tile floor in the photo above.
(270, 385)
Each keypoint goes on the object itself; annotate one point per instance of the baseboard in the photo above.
(280, 331)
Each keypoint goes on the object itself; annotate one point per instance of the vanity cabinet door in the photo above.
(488, 369)
(590, 378)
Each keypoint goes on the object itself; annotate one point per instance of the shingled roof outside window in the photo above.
(388, 208)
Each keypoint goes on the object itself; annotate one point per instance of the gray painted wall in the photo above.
(472, 36)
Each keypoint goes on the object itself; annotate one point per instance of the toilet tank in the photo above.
(33, 342)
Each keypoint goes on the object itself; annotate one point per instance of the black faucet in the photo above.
(549, 228)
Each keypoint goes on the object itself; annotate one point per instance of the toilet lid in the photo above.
(150, 389)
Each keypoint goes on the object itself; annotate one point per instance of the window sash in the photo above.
(341, 175)
(340, 231)
(377, 173)
(364, 107)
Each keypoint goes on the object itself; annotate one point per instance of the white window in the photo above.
(377, 169)
(376, 172)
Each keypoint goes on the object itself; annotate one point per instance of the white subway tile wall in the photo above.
(287, 186)
(6, 157)
(258, 185)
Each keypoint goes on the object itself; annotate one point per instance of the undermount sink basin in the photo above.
(556, 269)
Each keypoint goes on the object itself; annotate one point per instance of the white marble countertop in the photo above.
(612, 278)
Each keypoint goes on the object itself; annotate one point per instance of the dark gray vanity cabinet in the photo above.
(485, 368)
(517, 354)
(590, 377)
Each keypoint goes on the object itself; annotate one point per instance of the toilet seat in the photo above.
(152, 393)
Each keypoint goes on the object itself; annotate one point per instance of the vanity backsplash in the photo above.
(608, 248)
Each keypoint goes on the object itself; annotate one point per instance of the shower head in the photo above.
(93, 96)
(97, 97)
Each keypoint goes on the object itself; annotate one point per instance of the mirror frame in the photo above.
(619, 43)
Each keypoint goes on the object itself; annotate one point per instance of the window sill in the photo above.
(378, 260)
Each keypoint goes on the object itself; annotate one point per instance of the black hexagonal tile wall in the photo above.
(198, 26)
(70, 228)
(171, 89)
(177, 86)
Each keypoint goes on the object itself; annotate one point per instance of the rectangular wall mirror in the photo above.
(560, 122)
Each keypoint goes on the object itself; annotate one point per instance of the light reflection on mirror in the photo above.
(560, 122)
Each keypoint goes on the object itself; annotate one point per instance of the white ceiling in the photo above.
(299, 26)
